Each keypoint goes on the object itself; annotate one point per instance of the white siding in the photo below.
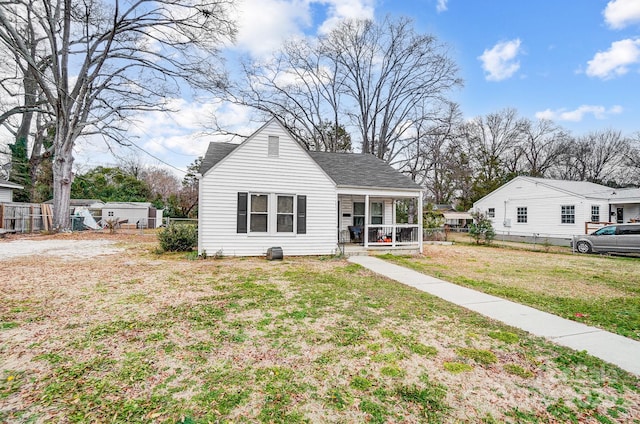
(130, 214)
(250, 169)
(346, 208)
(543, 209)
(5, 194)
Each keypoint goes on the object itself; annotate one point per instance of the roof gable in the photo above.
(344, 169)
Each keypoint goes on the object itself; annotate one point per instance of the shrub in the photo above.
(178, 238)
(481, 228)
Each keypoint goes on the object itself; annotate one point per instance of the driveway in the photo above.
(57, 247)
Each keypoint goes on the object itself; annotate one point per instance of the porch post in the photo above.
(420, 222)
(393, 223)
(366, 220)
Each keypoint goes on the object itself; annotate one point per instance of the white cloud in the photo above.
(616, 60)
(442, 6)
(345, 9)
(577, 115)
(500, 62)
(621, 13)
(264, 24)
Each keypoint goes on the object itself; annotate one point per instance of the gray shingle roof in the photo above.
(625, 194)
(581, 188)
(215, 153)
(361, 170)
(345, 169)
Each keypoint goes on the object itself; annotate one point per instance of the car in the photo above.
(617, 238)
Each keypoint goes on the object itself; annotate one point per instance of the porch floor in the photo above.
(355, 249)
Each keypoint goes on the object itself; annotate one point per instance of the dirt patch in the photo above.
(69, 245)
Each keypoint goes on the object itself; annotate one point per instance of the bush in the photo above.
(178, 238)
(481, 228)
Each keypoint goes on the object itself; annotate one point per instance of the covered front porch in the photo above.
(380, 221)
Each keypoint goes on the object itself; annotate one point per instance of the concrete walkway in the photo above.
(618, 350)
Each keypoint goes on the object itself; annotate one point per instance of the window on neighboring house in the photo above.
(376, 213)
(358, 213)
(110, 213)
(595, 213)
(521, 215)
(491, 213)
(274, 146)
(259, 218)
(568, 214)
(285, 214)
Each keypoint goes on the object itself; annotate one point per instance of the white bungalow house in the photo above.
(6, 191)
(527, 206)
(269, 191)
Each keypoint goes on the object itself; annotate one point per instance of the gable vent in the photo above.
(274, 146)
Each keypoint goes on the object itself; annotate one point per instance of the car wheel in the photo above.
(583, 247)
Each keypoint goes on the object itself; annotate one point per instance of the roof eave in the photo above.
(353, 187)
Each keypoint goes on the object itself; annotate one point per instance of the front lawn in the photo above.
(137, 337)
(603, 291)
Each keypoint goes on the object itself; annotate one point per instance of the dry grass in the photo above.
(141, 337)
(598, 290)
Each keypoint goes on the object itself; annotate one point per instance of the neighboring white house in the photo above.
(143, 214)
(269, 191)
(6, 191)
(527, 206)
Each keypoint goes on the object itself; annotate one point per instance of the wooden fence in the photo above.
(25, 217)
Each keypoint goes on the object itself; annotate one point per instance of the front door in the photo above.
(619, 215)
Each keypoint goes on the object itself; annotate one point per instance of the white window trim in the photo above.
(363, 216)
(381, 202)
(294, 231)
(249, 213)
(592, 214)
(526, 215)
(574, 214)
(272, 215)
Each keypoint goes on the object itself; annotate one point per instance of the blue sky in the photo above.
(576, 62)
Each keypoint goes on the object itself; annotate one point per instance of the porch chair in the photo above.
(355, 232)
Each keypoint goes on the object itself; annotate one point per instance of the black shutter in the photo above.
(242, 213)
(302, 215)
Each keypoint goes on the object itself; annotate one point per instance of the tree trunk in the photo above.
(62, 179)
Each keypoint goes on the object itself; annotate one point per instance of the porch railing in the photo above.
(392, 235)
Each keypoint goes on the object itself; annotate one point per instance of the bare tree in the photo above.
(494, 146)
(301, 88)
(107, 59)
(431, 158)
(598, 156)
(541, 146)
(371, 78)
(632, 162)
(392, 75)
(162, 182)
